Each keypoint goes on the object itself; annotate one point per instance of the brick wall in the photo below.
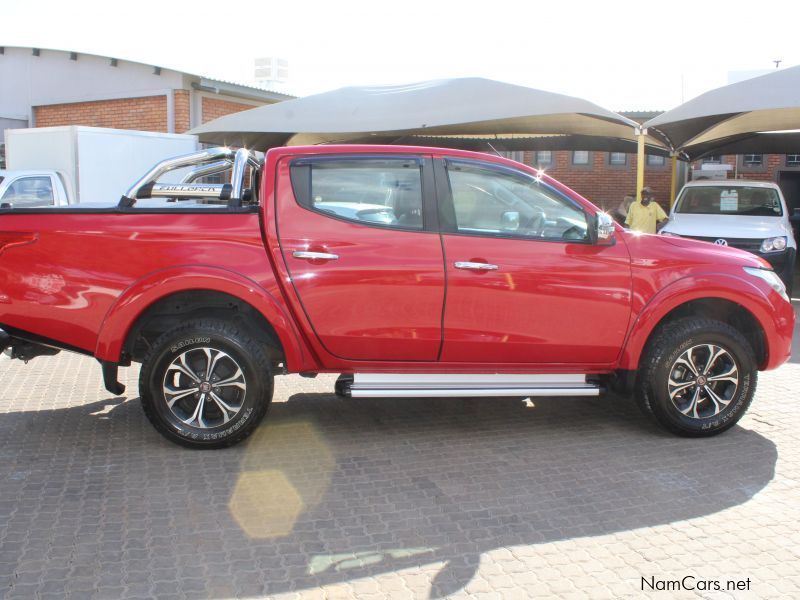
(148, 113)
(182, 124)
(214, 108)
(603, 184)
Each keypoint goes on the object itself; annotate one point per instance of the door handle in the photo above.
(315, 255)
(475, 266)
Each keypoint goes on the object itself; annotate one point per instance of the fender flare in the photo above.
(144, 292)
(721, 286)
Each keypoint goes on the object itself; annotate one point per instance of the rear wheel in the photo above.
(697, 377)
(205, 384)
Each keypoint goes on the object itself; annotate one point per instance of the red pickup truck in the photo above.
(411, 271)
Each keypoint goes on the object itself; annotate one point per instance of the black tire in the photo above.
(662, 375)
(195, 344)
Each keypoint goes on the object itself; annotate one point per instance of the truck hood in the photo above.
(684, 250)
(725, 226)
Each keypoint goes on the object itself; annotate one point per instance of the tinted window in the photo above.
(30, 192)
(493, 202)
(381, 192)
(738, 200)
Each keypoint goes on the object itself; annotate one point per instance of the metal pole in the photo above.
(640, 133)
(673, 180)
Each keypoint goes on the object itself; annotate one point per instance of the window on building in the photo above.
(752, 160)
(793, 160)
(580, 157)
(654, 160)
(617, 158)
(517, 155)
(544, 158)
(713, 159)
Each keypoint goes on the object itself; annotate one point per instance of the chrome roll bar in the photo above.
(223, 159)
(209, 169)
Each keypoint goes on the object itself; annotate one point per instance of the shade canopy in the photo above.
(720, 120)
(454, 112)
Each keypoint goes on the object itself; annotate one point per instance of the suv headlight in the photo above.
(771, 278)
(773, 244)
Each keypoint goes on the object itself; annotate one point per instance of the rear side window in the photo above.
(29, 192)
(382, 192)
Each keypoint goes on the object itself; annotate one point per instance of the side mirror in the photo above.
(795, 218)
(510, 220)
(604, 233)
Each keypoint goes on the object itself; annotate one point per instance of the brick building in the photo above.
(606, 177)
(44, 88)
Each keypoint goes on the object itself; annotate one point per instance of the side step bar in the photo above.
(426, 385)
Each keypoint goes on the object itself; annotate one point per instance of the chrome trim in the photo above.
(240, 162)
(475, 266)
(605, 226)
(209, 169)
(437, 385)
(177, 162)
(474, 393)
(315, 255)
(188, 190)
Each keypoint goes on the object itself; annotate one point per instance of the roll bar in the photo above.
(220, 159)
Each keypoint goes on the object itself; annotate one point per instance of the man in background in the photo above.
(645, 215)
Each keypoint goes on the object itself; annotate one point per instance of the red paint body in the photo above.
(392, 302)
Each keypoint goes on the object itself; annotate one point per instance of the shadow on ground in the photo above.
(330, 490)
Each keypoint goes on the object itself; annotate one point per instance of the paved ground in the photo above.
(390, 499)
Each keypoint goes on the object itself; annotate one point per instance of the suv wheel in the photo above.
(205, 384)
(697, 377)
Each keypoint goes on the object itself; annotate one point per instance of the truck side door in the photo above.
(30, 191)
(359, 239)
(525, 284)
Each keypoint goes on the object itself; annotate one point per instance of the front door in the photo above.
(361, 246)
(525, 284)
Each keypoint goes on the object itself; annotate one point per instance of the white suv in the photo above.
(750, 215)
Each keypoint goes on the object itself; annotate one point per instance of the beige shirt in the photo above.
(644, 218)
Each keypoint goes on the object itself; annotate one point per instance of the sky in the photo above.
(622, 55)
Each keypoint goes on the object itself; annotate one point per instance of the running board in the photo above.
(394, 385)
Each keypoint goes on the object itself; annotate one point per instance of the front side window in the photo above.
(30, 192)
(509, 204)
(381, 192)
(738, 200)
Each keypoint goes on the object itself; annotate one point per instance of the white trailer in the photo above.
(92, 164)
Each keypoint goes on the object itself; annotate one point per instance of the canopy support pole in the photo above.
(640, 133)
(673, 180)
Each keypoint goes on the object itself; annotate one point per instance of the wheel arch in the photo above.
(176, 293)
(722, 297)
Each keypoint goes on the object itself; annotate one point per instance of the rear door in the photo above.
(359, 237)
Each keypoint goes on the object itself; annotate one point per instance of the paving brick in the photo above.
(409, 498)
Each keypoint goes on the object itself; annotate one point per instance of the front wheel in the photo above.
(697, 377)
(205, 384)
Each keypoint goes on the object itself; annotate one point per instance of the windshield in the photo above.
(734, 200)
